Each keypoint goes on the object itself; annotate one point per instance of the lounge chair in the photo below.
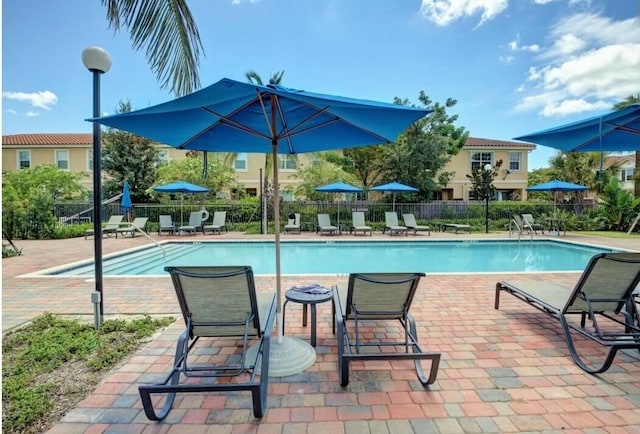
(165, 224)
(219, 223)
(293, 225)
(530, 222)
(368, 300)
(411, 224)
(602, 300)
(109, 228)
(325, 226)
(195, 223)
(391, 224)
(456, 227)
(217, 302)
(138, 224)
(358, 224)
(519, 226)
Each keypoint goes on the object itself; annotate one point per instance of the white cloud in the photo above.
(515, 46)
(443, 12)
(12, 112)
(542, 2)
(591, 63)
(237, 2)
(31, 114)
(506, 59)
(44, 99)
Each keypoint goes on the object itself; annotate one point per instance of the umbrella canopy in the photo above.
(180, 187)
(126, 199)
(338, 187)
(231, 116)
(556, 185)
(395, 187)
(616, 131)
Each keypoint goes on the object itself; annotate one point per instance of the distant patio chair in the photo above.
(531, 223)
(195, 224)
(358, 224)
(411, 224)
(138, 224)
(219, 223)
(165, 224)
(293, 225)
(325, 226)
(109, 227)
(391, 224)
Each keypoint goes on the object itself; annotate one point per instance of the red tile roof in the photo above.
(619, 160)
(58, 139)
(475, 142)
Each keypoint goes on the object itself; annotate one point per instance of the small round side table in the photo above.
(307, 299)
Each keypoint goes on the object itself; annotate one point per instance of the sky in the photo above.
(514, 66)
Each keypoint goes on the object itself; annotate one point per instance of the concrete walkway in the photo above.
(504, 370)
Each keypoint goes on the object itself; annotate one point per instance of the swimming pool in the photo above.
(341, 257)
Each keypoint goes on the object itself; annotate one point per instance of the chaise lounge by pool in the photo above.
(338, 257)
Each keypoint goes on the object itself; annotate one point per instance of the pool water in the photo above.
(328, 257)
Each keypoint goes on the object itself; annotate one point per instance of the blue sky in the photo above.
(515, 66)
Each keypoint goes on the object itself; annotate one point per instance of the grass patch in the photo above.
(53, 363)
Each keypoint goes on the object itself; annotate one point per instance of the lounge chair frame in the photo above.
(391, 224)
(293, 225)
(364, 308)
(219, 222)
(358, 224)
(325, 226)
(109, 228)
(530, 224)
(195, 224)
(412, 225)
(165, 224)
(139, 224)
(250, 326)
(620, 308)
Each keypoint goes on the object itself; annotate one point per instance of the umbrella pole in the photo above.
(276, 220)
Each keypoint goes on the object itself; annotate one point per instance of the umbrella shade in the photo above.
(616, 131)
(180, 187)
(555, 185)
(126, 199)
(338, 187)
(231, 116)
(395, 187)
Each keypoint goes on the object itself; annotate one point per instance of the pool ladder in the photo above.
(137, 229)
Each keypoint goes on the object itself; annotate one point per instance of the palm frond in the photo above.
(169, 35)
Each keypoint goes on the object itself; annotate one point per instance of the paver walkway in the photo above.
(504, 370)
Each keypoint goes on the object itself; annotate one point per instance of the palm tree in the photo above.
(632, 99)
(167, 32)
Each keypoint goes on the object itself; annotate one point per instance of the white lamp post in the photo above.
(487, 190)
(97, 61)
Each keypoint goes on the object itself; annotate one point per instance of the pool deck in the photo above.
(504, 370)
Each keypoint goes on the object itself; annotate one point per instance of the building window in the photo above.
(90, 160)
(626, 175)
(24, 159)
(240, 163)
(287, 162)
(515, 161)
(481, 159)
(62, 160)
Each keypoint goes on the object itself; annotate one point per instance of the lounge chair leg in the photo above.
(434, 357)
(606, 364)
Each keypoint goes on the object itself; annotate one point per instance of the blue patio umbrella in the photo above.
(556, 185)
(126, 199)
(395, 187)
(338, 187)
(232, 116)
(615, 131)
(180, 187)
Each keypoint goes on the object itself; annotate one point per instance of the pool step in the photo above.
(147, 260)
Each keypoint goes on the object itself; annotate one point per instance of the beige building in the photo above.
(74, 152)
(626, 165)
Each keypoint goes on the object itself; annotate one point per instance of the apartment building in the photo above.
(74, 152)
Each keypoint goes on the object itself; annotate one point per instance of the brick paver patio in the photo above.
(504, 370)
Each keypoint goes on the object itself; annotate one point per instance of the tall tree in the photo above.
(167, 32)
(632, 99)
(366, 163)
(127, 157)
(424, 149)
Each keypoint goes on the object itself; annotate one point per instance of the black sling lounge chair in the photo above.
(217, 302)
(379, 297)
(602, 299)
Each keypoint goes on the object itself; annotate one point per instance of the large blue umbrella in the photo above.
(180, 187)
(338, 187)
(231, 116)
(615, 131)
(556, 185)
(126, 199)
(395, 187)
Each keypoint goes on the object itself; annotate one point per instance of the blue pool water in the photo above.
(345, 257)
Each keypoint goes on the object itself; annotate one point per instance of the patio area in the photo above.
(506, 370)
